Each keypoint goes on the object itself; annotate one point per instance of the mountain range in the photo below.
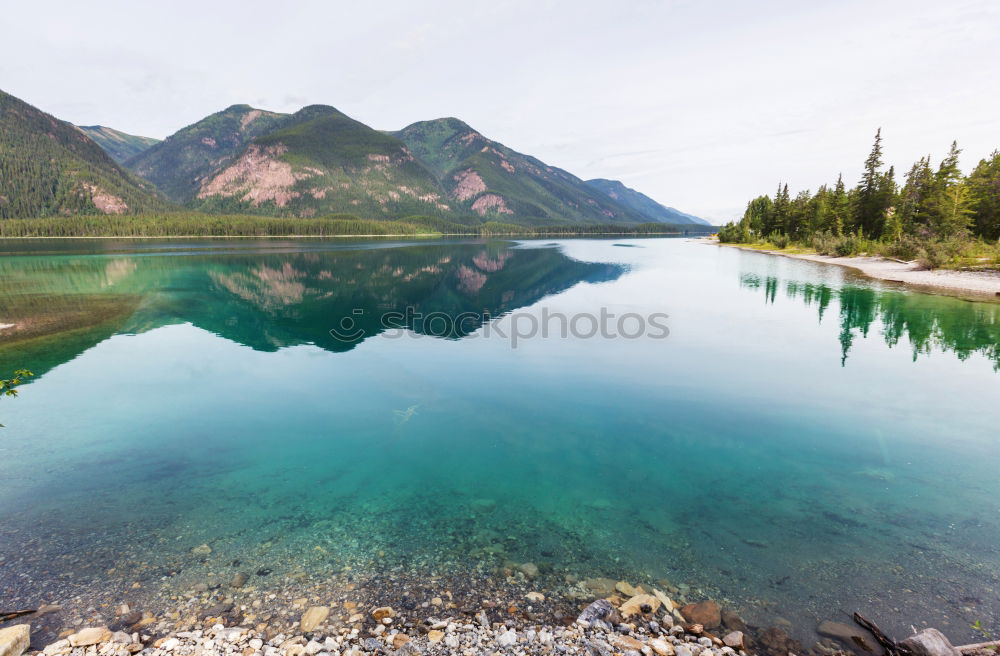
(49, 168)
(314, 162)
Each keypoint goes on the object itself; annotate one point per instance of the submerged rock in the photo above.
(202, 550)
(313, 617)
(706, 613)
(600, 587)
(628, 589)
(776, 642)
(529, 569)
(732, 621)
(855, 638)
(14, 640)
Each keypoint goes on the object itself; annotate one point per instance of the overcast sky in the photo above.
(699, 104)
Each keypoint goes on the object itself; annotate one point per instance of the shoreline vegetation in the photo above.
(937, 219)
(198, 225)
(980, 285)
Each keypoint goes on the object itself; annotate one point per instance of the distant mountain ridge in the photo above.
(490, 180)
(119, 145)
(314, 162)
(643, 204)
(48, 168)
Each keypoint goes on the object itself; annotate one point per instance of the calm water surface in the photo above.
(803, 444)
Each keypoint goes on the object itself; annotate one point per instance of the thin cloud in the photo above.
(700, 105)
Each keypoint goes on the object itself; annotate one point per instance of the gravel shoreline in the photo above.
(347, 620)
(516, 611)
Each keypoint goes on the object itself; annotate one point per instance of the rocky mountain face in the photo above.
(492, 181)
(313, 162)
(48, 167)
(322, 161)
(181, 162)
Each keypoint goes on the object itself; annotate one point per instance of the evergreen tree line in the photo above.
(936, 214)
(197, 224)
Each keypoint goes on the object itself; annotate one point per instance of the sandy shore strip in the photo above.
(981, 285)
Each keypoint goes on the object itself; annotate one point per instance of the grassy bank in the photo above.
(190, 224)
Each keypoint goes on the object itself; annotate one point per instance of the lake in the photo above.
(782, 436)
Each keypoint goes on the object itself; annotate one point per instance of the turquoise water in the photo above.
(802, 444)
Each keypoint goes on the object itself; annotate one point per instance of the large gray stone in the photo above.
(14, 640)
(929, 642)
(597, 648)
(595, 611)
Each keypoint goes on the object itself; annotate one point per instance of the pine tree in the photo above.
(954, 215)
(872, 201)
(841, 203)
(797, 225)
(820, 214)
(984, 193)
(948, 172)
(916, 195)
(779, 212)
(950, 207)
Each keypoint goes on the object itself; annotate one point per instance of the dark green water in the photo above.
(803, 444)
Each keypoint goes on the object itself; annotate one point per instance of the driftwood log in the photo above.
(891, 647)
(4, 616)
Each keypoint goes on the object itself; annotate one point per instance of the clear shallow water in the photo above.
(803, 444)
